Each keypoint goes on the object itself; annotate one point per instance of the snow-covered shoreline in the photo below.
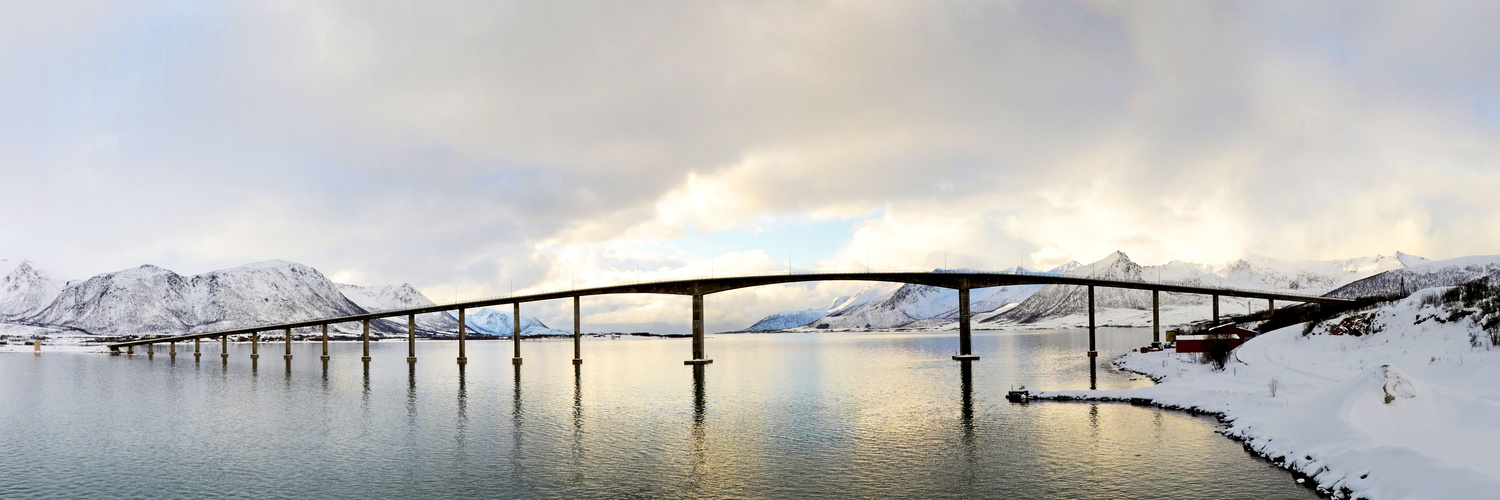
(1407, 411)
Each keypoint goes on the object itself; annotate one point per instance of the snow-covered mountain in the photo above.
(893, 305)
(1252, 273)
(498, 322)
(149, 299)
(403, 296)
(26, 289)
(1421, 273)
(918, 306)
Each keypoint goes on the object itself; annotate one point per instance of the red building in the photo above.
(1231, 334)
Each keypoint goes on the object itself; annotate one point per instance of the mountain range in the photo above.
(885, 306)
(150, 300)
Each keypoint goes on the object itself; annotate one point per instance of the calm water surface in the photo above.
(777, 416)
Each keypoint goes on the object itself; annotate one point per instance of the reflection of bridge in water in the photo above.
(697, 288)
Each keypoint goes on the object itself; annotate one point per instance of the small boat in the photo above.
(1018, 395)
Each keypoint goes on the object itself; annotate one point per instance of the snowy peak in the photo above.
(498, 323)
(152, 300)
(26, 289)
(385, 298)
(1409, 260)
(1115, 266)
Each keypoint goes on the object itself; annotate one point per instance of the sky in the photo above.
(475, 149)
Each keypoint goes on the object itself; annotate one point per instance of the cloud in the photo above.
(465, 145)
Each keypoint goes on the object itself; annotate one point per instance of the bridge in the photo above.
(699, 287)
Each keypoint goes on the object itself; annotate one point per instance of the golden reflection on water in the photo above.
(876, 415)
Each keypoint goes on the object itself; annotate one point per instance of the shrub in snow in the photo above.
(1478, 300)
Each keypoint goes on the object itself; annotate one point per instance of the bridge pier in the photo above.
(461, 358)
(366, 338)
(411, 338)
(1216, 309)
(197, 349)
(171, 349)
(288, 355)
(324, 357)
(224, 347)
(150, 350)
(1093, 351)
(515, 332)
(964, 344)
(577, 335)
(698, 357)
(255, 346)
(130, 349)
(1271, 306)
(1156, 318)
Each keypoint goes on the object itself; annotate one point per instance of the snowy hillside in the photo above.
(1401, 409)
(403, 296)
(496, 322)
(1422, 274)
(26, 289)
(1064, 306)
(149, 299)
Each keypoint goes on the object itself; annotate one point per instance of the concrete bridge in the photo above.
(698, 288)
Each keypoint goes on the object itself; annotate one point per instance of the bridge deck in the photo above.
(705, 286)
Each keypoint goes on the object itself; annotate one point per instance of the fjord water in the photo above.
(775, 416)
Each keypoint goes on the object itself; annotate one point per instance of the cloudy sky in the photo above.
(472, 148)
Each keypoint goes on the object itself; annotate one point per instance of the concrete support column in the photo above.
(197, 348)
(130, 349)
(171, 349)
(288, 334)
(1156, 318)
(577, 335)
(411, 338)
(255, 345)
(461, 358)
(1093, 352)
(964, 345)
(1216, 308)
(150, 350)
(324, 357)
(515, 332)
(698, 357)
(224, 347)
(366, 338)
(1271, 305)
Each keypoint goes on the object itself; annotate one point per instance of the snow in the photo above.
(403, 296)
(26, 289)
(895, 305)
(498, 323)
(1406, 411)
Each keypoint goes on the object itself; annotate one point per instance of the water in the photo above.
(775, 416)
